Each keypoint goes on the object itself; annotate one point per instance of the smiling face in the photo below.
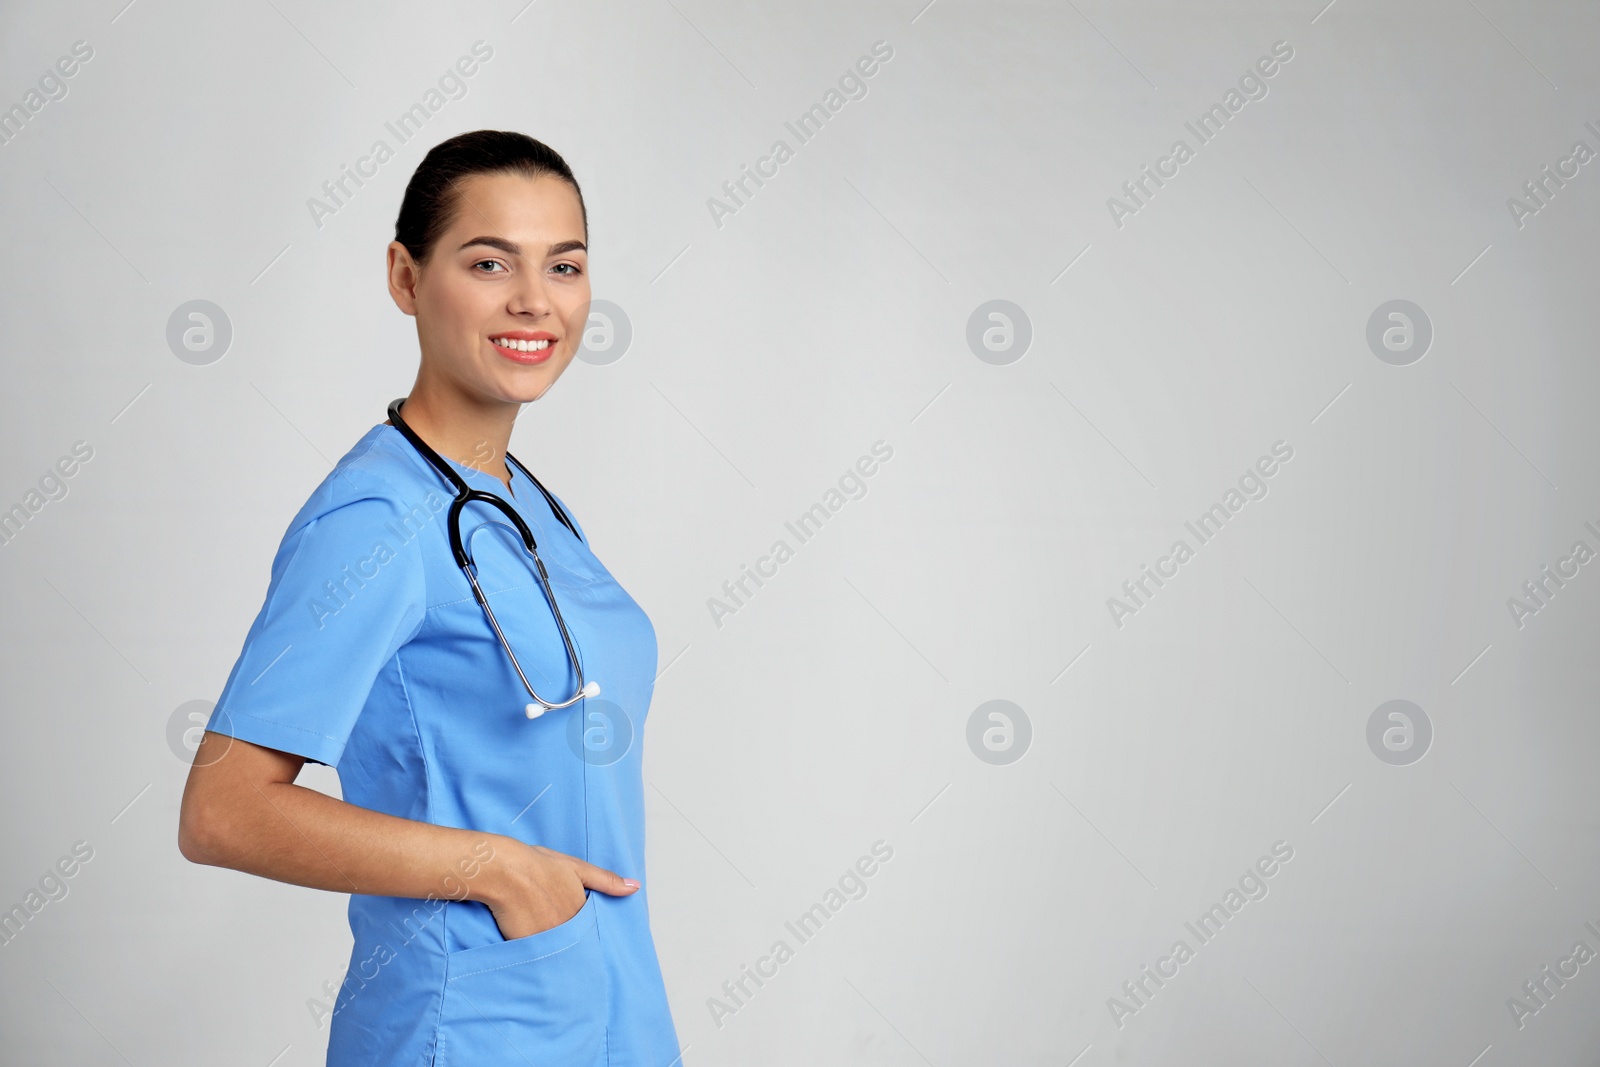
(503, 297)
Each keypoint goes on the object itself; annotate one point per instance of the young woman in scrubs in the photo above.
(495, 863)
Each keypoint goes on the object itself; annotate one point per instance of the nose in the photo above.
(530, 296)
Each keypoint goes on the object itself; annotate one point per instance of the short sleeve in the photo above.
(347, 591)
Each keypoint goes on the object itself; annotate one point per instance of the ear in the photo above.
(403, 276)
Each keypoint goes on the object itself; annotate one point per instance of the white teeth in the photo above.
(521, 346)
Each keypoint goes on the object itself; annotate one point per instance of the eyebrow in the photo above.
(514, 249)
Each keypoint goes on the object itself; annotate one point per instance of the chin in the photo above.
(530, 393)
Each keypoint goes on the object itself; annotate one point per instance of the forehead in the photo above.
(518, 208)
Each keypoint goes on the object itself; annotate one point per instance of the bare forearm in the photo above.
(241, 809)
(292, 834)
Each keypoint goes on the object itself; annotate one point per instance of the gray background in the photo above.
(829, 312)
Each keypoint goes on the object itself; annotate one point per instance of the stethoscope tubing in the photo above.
(465, 494)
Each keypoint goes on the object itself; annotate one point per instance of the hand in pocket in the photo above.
(544, 888)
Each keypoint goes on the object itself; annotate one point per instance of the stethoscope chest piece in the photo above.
(592, 689)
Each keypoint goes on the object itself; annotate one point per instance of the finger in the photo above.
(608, 882)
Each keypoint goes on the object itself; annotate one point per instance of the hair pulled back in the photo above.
(432, 196)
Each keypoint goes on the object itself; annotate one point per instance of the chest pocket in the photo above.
(503, 562)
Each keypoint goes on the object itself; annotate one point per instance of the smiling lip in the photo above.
(525, 358)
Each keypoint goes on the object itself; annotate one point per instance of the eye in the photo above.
(576, 270)
(494, 262)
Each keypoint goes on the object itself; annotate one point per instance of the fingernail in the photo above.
(630, 883)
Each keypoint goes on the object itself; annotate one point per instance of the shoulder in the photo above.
(378, 473)
(362, 520)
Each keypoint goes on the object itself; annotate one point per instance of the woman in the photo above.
(494, 858)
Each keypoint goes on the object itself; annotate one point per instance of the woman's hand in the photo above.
(540, 888)
(242, 810)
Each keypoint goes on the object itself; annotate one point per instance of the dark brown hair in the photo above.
(431, 199)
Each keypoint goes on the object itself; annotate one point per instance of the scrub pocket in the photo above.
(539, 999)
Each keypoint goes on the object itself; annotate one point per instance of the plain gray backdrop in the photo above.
(1154, 344)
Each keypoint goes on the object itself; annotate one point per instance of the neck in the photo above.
(473, 431)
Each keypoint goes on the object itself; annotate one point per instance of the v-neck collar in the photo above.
(461, 468)
(500, 487)
(519, 477)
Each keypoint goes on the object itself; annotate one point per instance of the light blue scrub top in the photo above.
(370, 655)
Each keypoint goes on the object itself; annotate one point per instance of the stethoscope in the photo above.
(464, 494)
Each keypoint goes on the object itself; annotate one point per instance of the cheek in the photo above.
(566, 358)
(577, 315)
(452, 312)
(577, 321)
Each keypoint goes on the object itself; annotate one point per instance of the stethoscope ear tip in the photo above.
(592, 689)
(535, 710)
